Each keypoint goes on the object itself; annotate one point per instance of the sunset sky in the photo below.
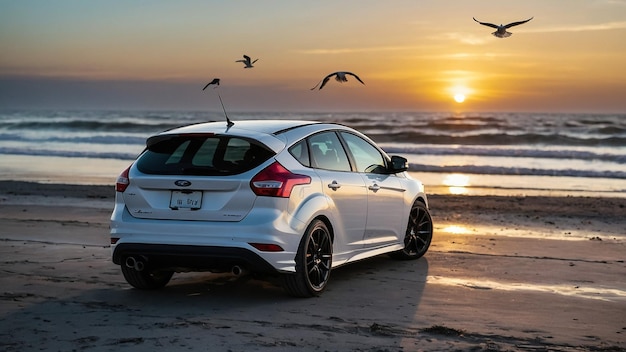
(412, 55)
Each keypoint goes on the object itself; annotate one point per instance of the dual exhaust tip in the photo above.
(136, 263)
(139, 264)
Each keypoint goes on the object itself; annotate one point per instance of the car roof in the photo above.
(243, 127)
(268, 132)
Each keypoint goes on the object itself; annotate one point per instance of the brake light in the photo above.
(122, 181)
(276, 181)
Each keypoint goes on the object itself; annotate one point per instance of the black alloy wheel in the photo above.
(419, 233)
(313, 262)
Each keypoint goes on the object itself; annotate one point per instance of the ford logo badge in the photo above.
(182, 183)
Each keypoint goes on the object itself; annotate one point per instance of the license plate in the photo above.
(186, 200)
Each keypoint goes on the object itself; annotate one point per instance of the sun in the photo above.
(459, 92)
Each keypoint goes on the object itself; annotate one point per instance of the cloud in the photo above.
(354, 50)
(464, 56)
(474, 40)
(581, 28)
(615, 2)
(465, 38)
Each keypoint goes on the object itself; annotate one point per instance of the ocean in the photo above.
(459, 153)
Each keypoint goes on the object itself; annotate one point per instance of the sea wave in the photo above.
(122, 132)
(493, 138)
(89, 139)
(516, 171)
(469, 169)
(89, 125)
(576, 145)
(69, 153)
(617, 156)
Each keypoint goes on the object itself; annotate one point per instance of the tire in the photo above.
(313, 262)
(419, 233)
(146, 279)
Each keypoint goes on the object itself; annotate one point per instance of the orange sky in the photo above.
(412, 55)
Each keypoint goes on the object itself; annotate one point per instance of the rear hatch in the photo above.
(199, 176)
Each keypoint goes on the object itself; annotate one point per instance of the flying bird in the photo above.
(247, 61)
(501, 30)
(215, 81)
(340, 77)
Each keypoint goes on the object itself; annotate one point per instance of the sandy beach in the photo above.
(503, 274)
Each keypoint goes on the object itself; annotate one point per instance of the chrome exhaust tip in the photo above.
(136, 264)
(237, 270)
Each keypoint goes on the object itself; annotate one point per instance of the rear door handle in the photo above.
(334, 185)
(375, 187)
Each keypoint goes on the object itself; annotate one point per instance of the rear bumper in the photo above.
(206, 245)
(191, 257)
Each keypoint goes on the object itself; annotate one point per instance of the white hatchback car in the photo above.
(293, 198)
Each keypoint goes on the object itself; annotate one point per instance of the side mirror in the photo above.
(398, 164)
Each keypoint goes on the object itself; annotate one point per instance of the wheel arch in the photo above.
(328, 224)
(317, 206)
(422, 199)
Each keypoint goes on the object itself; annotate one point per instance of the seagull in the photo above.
(501, 29)
(247, 61)
(340, 76)
(215, 81)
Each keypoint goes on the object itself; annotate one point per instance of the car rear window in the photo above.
(208, 155)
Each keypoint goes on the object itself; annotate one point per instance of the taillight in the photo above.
(122, 181)
(276, 181)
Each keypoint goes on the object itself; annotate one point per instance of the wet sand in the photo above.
(502, 274)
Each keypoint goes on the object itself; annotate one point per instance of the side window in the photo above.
(327, 152)
(300, 151)
(366, 156)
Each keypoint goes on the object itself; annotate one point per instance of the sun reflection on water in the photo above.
(457, 183)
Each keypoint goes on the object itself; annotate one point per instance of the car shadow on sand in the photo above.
(373, 276)
(377, 292)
